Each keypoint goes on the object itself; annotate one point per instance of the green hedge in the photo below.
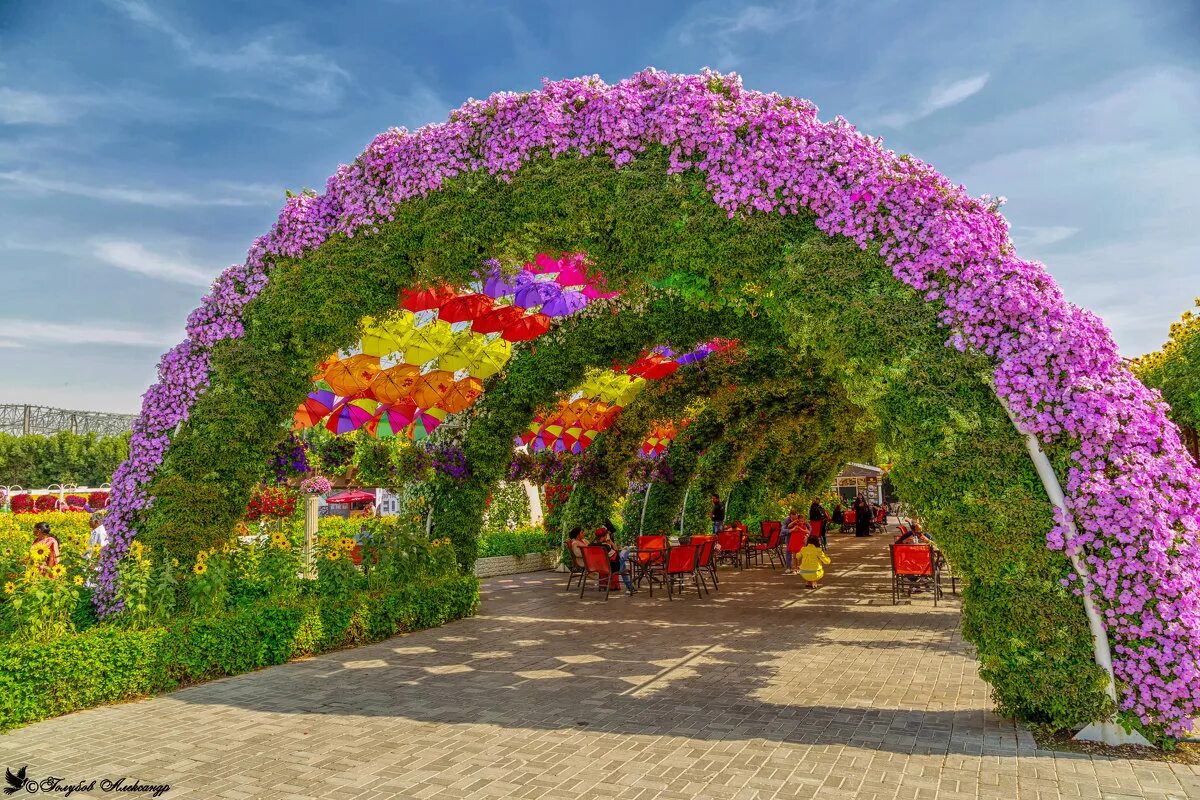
(108, 664)
(517, 543)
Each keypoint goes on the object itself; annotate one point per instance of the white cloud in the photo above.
(24, 108)
(720, 31)
(1042, 235)
(940, 97)
(266, 68)
(226, 194)
(135, 257)
(30, 332)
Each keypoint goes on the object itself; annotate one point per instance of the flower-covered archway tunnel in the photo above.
(713, 211)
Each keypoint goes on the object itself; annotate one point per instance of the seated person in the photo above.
(576, 543)
(915, 535)
(616, 558)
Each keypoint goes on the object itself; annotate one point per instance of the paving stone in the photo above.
(763, 690)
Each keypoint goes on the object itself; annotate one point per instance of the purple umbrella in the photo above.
(536, 293)
(565, 304)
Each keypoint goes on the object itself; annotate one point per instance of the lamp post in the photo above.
(8, 492)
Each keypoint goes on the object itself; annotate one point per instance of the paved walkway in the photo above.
(762, 690)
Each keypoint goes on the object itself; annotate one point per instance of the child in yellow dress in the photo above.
(812, 561)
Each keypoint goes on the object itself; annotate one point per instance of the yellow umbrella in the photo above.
(463, 351)
(631, 390)
(428, 343)
(381, 337)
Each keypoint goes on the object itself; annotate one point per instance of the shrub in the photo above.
(516, 543)
(107, 664)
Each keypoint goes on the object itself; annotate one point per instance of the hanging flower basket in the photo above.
(315, 485)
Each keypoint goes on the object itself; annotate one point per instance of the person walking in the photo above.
(42, 536)
(718, 514)
(818, 514)
(862, 516)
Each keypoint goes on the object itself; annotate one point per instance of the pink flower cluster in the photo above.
(1133, 492)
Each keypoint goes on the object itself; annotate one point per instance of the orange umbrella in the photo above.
(432, 388)
(462, 395)
(395, 383)
(352, 375)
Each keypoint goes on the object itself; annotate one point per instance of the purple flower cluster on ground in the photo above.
(1131, 487)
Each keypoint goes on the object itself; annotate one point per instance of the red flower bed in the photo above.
(22, 504)
(98, 500)
(45, 502)
(271, 502)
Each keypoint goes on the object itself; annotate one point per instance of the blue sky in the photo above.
(143, 145)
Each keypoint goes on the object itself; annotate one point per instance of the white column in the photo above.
(1106, 731)
(310, 531)
(536, 515)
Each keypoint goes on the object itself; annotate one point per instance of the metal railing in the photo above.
(28, 420)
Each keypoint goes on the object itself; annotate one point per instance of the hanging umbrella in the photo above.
(466, 308)
(461, 395)
(305, 418)
(572, 273)
(568, 302)
(381, 338)
(426, 299)
(595, 291)
(465, 349)
(428, 343)
(426, 422)
(352, 375)
(537, 293)
(320, 401)
(543, 263)
(497, 319)
(395, 383)
(660, 368)
(350, 415)
(391, 419)
(491, 360)
(432, 388)
(527, 328)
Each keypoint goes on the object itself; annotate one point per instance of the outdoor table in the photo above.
(645, 567)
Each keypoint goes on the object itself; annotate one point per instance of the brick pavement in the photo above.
(761, 690)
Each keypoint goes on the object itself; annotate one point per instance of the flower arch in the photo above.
(1132, 496)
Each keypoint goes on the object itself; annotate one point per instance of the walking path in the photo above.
(762, 690)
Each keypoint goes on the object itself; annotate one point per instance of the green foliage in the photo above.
(517, 543)
(108, 664)
(687, 273)
(1175, 370)
(39, 461)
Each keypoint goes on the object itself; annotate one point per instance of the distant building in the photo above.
(856, 479)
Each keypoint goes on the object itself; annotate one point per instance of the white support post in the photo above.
(683, 513)
(1107, 731)
(310, 532)
(645, 499)
(536, 514)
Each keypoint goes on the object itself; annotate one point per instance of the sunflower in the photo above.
(39, 551)
(57, 571)
(200, 568)
(333, 555)
(202, 556)
(79, 580)
(137, 550)
(347, 544)
(32, 575)
(10, 587)
(174, 562)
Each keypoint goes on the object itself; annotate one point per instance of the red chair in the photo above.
(848, 519)
(879, 523)
(649, 560)
(915, 566)
(732, 544)
(595, 562)
(704, 559)
(681, 565)
(769, 545)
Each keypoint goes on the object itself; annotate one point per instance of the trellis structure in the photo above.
(30, 420)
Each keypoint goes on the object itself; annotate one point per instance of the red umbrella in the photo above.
(497, 319)
(425, 299)
(526, 328)
(660, 369)
(355, 496)
(465, 308)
